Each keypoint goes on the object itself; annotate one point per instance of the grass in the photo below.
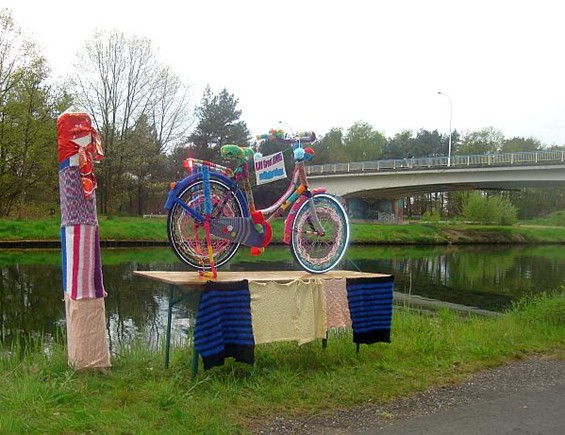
(362, 232)
(111, 228)
(556, 218)
(40, 393)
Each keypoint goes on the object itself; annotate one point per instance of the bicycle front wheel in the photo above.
(187, 236)
(315, 252)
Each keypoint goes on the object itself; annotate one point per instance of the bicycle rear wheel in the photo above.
(191, 247)
(317, 253)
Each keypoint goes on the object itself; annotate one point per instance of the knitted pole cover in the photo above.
(78, 147)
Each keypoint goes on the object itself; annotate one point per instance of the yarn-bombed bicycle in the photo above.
(211, 212)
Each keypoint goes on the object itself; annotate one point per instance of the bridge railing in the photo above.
(481, 160)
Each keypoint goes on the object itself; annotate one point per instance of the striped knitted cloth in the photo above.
(80, 244)
(370, 307)
(82, 266)
(223, 324)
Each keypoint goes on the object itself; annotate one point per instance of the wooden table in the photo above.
(182, 283)
(192, 279)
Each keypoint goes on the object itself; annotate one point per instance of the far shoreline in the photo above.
(112, 243)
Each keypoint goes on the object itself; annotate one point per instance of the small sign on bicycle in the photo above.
(269, 168)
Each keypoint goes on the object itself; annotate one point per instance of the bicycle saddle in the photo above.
(236, 153)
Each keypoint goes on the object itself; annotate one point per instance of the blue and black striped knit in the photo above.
(223, 324)
(370, 307)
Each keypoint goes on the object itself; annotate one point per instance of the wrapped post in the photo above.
(78, 146)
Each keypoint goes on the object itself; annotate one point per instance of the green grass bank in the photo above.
(155, 230)
(39, 393)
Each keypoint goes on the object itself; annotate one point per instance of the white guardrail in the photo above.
(506, 159)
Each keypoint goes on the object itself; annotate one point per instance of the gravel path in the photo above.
(531, 374)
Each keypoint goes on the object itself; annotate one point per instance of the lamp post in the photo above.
(289, 127)
(450, 117)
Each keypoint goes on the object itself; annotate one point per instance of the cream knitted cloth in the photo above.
(287, 312)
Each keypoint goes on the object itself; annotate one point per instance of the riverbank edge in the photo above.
(112, 243)
(132, 232)
(56, 244)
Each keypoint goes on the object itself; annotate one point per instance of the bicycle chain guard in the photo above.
(242, 230)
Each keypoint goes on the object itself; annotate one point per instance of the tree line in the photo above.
(148, 125)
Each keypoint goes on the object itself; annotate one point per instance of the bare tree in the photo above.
(16, 53)
(118, 80)
(27, 134)
(170, 115)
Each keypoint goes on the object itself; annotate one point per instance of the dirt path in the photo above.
(529, 378)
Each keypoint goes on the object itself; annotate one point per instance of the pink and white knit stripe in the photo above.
(82, 267)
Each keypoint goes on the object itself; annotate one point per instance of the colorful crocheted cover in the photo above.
(78, 145)
(82, 266)
(335, 301)
(370, 308)
(75, 135)
(223, 324)
(242, 230)
(76, 209)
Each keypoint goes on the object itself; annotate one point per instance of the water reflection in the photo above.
(31, 299)
(488, 277)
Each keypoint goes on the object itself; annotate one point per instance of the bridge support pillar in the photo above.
(398, 209)
(380, 210)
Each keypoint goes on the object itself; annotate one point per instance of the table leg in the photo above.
(195, 357)
(169, 324)
(195, 354)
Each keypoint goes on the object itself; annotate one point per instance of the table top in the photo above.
(193, 279)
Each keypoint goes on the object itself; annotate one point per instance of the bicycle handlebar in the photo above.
(308, 137)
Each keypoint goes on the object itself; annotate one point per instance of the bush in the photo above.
(474, 208)
(433, 216)
(507, 213)
(489, 210)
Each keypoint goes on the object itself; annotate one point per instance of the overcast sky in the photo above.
(322, 64)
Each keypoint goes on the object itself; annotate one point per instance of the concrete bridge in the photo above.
(388, 181)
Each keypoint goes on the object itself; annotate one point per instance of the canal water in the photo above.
(486, 277)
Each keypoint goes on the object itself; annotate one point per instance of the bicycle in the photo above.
(218, 200)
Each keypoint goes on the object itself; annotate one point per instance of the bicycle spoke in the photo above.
(320, 252)
(187, 235)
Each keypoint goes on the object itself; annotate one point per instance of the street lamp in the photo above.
(288, 125)
(450, 116)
